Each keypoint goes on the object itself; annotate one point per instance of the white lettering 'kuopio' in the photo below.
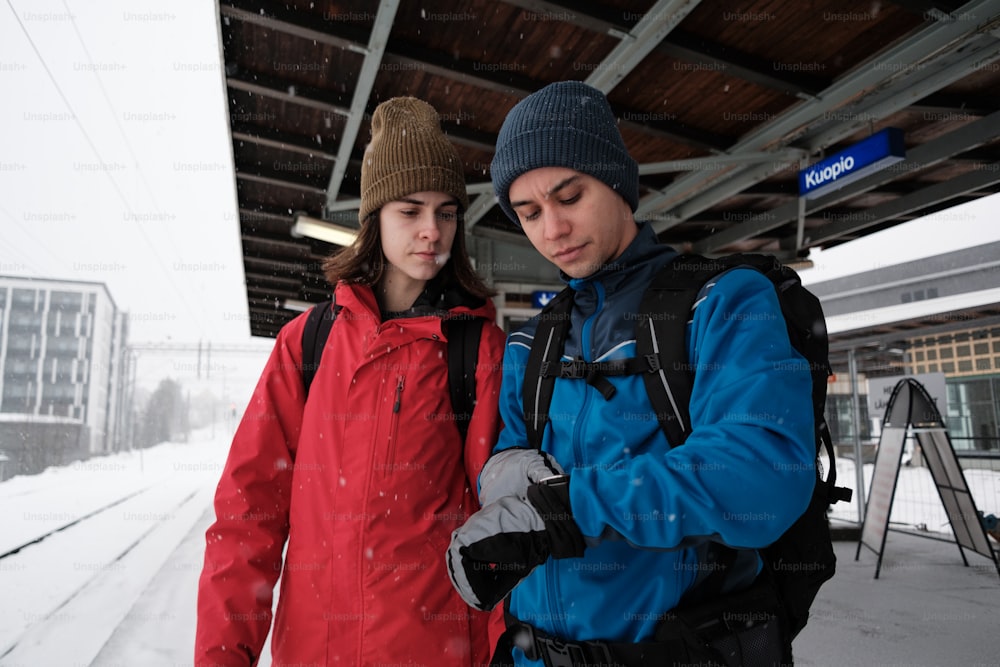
(831, 172)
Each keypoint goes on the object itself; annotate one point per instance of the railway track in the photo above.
(80, 553)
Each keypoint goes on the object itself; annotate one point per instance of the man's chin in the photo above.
(576, 269)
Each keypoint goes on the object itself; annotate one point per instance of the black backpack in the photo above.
(802, 559)
(463, 354)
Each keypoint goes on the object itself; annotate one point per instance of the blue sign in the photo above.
(539, 298)
(865, 157)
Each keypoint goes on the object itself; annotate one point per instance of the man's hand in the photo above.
(503, 542)
(511, 471)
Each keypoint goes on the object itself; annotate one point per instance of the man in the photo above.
(604, 535)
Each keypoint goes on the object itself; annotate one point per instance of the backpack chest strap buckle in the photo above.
(575, 369)
(653, 363)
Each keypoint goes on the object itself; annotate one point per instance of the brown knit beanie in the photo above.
(408, 153)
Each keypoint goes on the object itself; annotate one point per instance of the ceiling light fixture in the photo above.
(323, 230)
(296, 305)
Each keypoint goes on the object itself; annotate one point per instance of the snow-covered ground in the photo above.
(65, 595)
(916, 505)
(118, 587)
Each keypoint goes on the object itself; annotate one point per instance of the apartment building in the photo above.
(63, 372)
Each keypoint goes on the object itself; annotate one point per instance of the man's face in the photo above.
(577, 222)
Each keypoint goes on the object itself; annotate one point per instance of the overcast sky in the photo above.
(115, 160)
(116, 167)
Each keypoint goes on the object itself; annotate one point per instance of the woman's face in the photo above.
(417, 233)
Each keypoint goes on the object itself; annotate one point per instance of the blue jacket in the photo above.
(743, 476)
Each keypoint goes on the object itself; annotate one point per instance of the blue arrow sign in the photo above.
(539, 298)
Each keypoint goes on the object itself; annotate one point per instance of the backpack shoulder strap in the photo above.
(664, 312)
(314, 335)
(543, 364)
(463, 358)
(661, 338)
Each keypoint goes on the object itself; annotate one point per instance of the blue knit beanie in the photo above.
(565, 124)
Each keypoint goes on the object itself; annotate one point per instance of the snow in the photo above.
(120, 586)
(65, 596)
(924, 609)
(916, 504)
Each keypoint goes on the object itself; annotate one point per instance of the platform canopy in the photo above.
(722, 104)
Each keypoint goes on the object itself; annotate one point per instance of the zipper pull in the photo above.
(399, 394)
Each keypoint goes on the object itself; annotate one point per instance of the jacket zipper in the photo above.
(586, 353)
(399, 395)
(394, 425)
(555, 609)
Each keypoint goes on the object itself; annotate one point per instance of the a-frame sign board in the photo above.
(912, 411)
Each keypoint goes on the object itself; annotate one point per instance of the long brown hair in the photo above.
(364, 261)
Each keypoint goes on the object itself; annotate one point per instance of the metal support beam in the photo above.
(897, 96)
(355, 204)
(944, 147)
(643, 38)
(478, 208)
(877, 74)
(715, 161)
(800, 227)
(916, 84)
(573, 16)
(731, 62)
(309, 99)
(431, 62)
(512, 237)
(859, 492)
(253, 137)
(279, 18)
(276, 182)
(362, 91)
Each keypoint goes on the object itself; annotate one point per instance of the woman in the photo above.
(365, 480)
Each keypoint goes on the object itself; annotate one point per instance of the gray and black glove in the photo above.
(503, 542)
(510, 472)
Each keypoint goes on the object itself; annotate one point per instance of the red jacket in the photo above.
(365, 481)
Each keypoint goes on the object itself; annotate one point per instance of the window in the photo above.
(919, 355)
(931, 355)
(965, 366)
(65, 300)
(972, 413)
(981, 348)
(838, 415)
(983, 364)
(963, 350)
(932, 293)
(947, 353)
(932, 368)
(948, 367)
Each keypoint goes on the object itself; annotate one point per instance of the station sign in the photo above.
(540, 298)
(865, 157)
